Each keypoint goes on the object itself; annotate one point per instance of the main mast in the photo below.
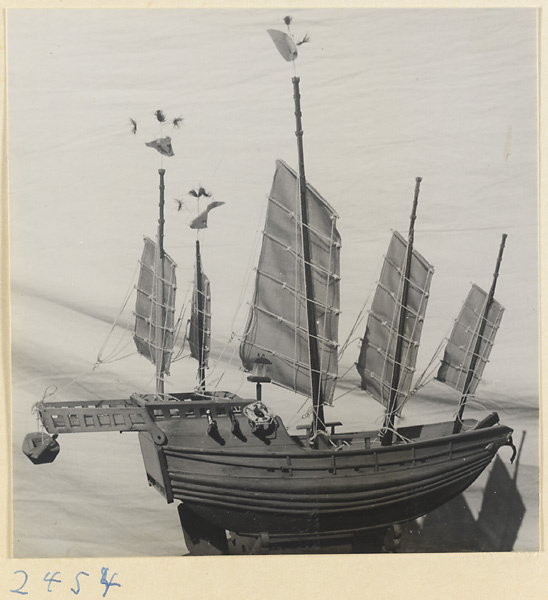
(388, 426)
(318, 422)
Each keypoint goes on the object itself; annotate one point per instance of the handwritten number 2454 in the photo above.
(51, 579)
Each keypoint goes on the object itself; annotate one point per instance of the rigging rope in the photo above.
(248, 274)
(361, 315)
(116, 350)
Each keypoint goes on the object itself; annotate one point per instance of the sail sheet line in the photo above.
(350, 339)
(113, 354)
(214, 383)
(425, 377)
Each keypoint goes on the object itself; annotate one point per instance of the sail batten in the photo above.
(377, 359)
(298, 294)
(277, 325)
(299, 328)
(461, 346)
(155, 319)
(292, 215)
(295, 254)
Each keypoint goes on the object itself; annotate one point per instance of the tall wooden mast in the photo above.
(160, 308)
(481, 331)
(388, 426)
(318, 422)
(287, 47)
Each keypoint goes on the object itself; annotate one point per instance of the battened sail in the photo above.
(462, 343)
(155, 307)
(376, 360)
(199, 331)
(277, 326)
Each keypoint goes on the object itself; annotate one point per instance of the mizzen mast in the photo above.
(481, 340)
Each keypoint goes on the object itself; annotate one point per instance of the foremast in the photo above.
(159, 291)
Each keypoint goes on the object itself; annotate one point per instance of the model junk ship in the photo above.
(229, 461)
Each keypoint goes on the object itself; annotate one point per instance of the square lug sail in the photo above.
(204, 316)
(377, 354)
(460, 346)
(154, 320)
(277, 325)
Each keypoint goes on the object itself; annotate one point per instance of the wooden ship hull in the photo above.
(273, 483)
(230, 462)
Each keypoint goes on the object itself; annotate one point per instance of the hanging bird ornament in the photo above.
(201, 192)
(163, 144)
(285, 42)
(200, 222)
(160, 116)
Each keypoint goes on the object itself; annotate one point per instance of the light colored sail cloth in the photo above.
(277, 326)
(284, 43)
(194, 332)
(377, 353)
(463, 340)
(200, 222)
(154, 321)
(163, 145)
